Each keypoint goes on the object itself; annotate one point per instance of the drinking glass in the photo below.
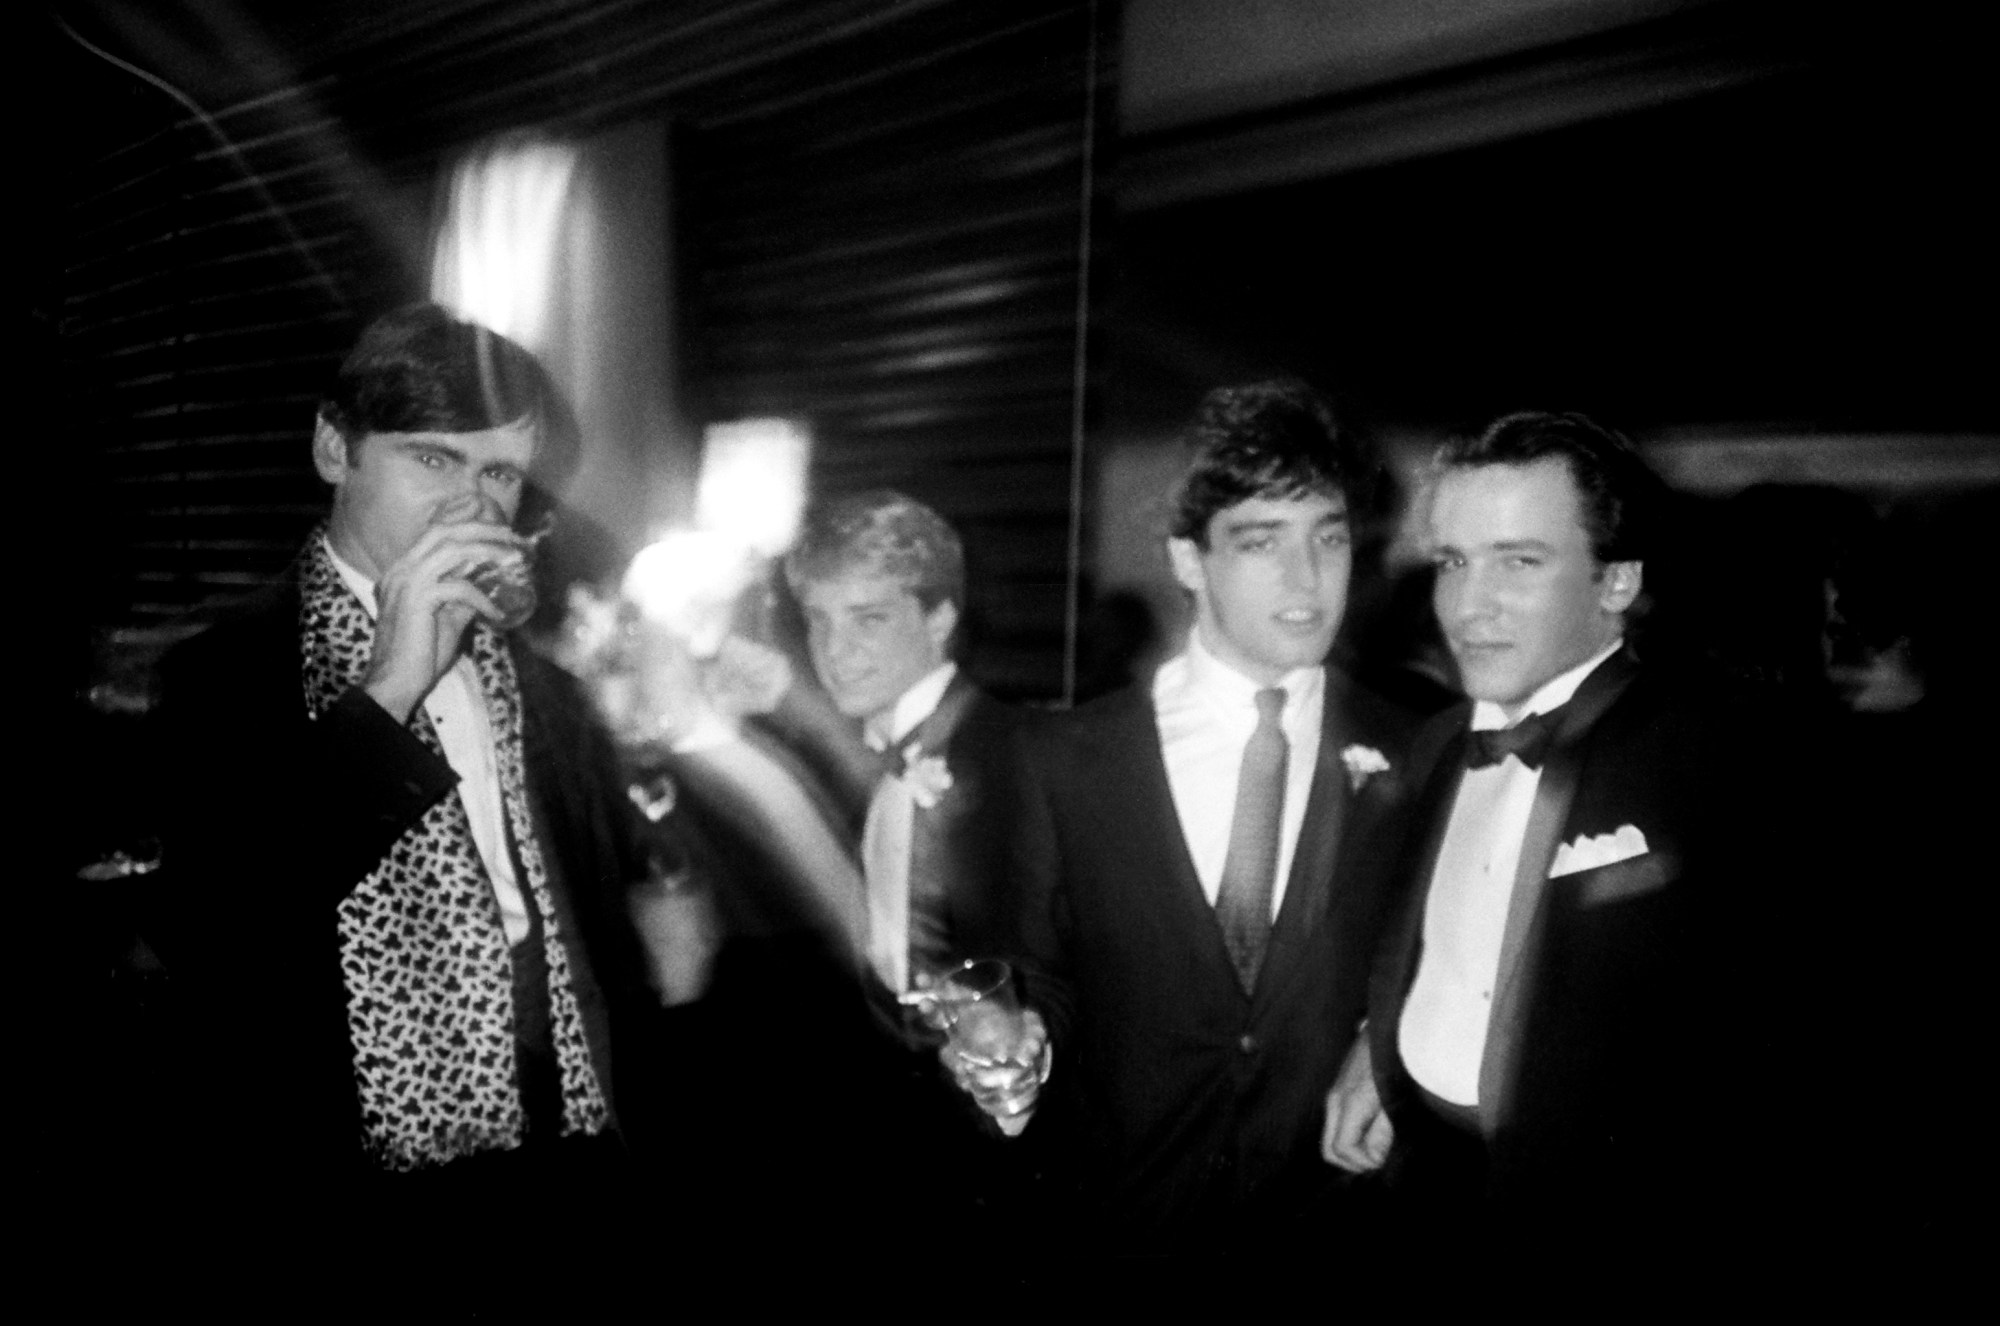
(510, 581)
(978, 1006)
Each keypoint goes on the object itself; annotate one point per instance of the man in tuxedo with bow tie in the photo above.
(880, 580)
(1565, 1027)
(1198, 859)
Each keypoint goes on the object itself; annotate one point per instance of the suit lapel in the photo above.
(1309, 886)
(934, 732)
(1555, 793)
(1161, 869)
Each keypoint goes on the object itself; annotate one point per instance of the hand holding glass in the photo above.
(995, 1048)
(508, 581)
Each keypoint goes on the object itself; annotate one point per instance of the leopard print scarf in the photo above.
(428, 971)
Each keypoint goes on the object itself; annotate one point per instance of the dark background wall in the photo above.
(879, 211)
(993, 253)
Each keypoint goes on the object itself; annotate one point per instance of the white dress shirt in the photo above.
(1207, 711)
(457, 710)
(1442, 1034)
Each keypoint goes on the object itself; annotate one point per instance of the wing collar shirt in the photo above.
(1206, 712)
(457, 710)
(1442, 1034)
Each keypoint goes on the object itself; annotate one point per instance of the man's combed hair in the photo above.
(1622, 498)
(1274, 440)
(880, 532)
(419, 369)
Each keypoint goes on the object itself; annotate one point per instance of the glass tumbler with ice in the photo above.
(989, 1040)
(508, 581)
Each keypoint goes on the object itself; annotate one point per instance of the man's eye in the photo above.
(511, 478)
(1261, 543)
(1523, 562)
(1333, 538)
(430, 460)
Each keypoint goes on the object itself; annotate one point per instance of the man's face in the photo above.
(1270, 588)
(871, 640)
(1519, 594)
(390, 487)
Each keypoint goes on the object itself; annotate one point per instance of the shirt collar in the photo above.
(1557, 691)
(916, 704)
(1210, 677)
(361, 585)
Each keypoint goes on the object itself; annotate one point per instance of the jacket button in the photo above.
(1248, 1044)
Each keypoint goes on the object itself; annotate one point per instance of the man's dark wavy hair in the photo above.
(1274, 439)
(419, 369)
(1622, 498)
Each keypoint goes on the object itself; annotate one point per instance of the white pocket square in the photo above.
(1588, 853)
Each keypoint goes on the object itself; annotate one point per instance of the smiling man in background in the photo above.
(880, 579)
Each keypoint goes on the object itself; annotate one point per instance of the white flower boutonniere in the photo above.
(1363, 763)
(925, 775)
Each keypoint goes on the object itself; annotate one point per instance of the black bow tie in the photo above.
(1527, 741)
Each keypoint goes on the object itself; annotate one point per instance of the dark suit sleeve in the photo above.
(1039, 911)
(264, 802)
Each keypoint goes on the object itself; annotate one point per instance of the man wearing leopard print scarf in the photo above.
(408, 853)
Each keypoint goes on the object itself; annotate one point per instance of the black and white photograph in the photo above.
(1007, 657)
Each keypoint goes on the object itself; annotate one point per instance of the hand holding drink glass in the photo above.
(996, 1050)
(508, 579)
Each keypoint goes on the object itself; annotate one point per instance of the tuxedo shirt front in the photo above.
(1443, 1028)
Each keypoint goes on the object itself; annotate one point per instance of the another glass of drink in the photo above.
(988, 1042)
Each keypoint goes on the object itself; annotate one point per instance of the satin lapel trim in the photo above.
(1554, 795)
(934, 732)
(1309, 886)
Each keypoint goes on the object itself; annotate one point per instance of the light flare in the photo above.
(753, 482)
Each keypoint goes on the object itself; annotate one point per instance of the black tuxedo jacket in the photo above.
(272, 818)
(958, 850)
(1198, 1106)
(1631, 1038)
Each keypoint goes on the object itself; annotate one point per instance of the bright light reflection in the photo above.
(687, 582)
(496, 254)
(753, 482)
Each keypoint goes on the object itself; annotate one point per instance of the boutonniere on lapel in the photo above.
(1363, 763)
(925, 775)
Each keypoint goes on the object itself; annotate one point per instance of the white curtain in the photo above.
(506, 218)
(563, 245)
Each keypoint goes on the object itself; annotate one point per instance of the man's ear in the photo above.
(1622, 583)
(941, 621)
(1186, 559)
(329, 451)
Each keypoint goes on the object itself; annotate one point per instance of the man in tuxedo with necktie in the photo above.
(1196, 857)
(1569, 1024)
